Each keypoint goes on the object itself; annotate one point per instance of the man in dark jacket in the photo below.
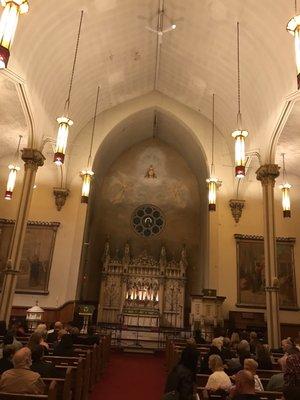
(46, 370)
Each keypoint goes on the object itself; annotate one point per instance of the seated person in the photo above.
(52, 335)
(251, 366)
(215, 348)
(253, 341)
(10, 340)
(226, 351)
(46, 370)
(244, 388)
(236, 364)
(64, 348)
(288, 346)
(6, 360)
(218, 380)
(276, 381)
(37, 339)
(263, 356)
(21, 379)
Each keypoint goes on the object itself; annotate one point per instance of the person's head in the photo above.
(243, 347)
(244, 382)
(250, 365)
(37, 353)
(61, 333)
(189, 358)
(22, 358)
(191, 342)
(262, 351)
(226, 342)
(42, 329)
(235, 338)
(73, 330)
(253, 336)
(217, 342)
(58, 326)
(286, 345)
(215, 363)
(34, 340)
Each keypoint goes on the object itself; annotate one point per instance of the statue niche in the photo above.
(142, 291)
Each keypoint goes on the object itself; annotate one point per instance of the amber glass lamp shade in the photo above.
(86, 176)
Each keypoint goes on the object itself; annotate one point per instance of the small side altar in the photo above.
(142, 291)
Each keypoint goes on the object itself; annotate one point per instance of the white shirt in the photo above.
(258, 385)
(218, 380)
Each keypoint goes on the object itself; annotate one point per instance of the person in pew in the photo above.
(215, 348)
(236, 364)
(218, 380)
(37, 339)
(292, 371)
(199, 337)
(253, 342)
(182, 381)
(64, 348)
(46, 370)
(226, 351)
(234, 340)
(276, 381)
(263, 356)
(251, 366)
(244, 388)
(21, 379)
(10, 341)
(288, 346)
(52, 335)
(6, 360)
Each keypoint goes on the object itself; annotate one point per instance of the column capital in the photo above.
(267, 174)
(32, 158)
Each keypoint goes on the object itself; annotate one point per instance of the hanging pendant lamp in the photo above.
(213, 183)
(65, 122)
(8, 25)
(239, 134)
(87, 174)
(285, 191)
(12, 176)
(293, 27)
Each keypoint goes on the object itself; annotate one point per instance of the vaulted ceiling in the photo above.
(198, 58)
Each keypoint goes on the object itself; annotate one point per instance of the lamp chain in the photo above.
(238, 66)
(283, 168)
(67, 105)
(18, 148)
(94, 124)
(213, 134)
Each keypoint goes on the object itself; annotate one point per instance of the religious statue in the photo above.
(163, 258)
(150, 174)
(126, 257)
(183, 260)
(106, 254)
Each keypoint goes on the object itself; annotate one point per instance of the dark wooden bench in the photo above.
(65, 387)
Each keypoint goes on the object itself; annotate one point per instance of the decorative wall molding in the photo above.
(53, 224)
(239, 236)
(60, 195)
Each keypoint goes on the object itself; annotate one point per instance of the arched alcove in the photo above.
(173, 144)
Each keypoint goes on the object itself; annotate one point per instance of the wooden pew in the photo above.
(65, 387)
(78, 378)
(52, 394)
(205, 395)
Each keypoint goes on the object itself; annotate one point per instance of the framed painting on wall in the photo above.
(251, 272)
(36, 255)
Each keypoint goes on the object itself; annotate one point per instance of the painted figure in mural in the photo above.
(150, 173)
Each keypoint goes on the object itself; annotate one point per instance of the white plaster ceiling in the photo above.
(12, 121)
(198, 58)
(289, 144)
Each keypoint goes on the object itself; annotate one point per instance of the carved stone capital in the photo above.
(60, 195)
(32, 158)
(267, 174)
(236, 207)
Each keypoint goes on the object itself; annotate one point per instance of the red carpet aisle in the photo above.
(132, 377)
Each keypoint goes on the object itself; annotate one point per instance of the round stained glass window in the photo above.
(147, 220)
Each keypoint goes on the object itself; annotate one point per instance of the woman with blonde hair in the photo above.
(234, 340)
(218, 380)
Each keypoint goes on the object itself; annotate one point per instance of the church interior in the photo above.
(150, 181)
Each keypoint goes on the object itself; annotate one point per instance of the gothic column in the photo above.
(32, 159)
(267, 175)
